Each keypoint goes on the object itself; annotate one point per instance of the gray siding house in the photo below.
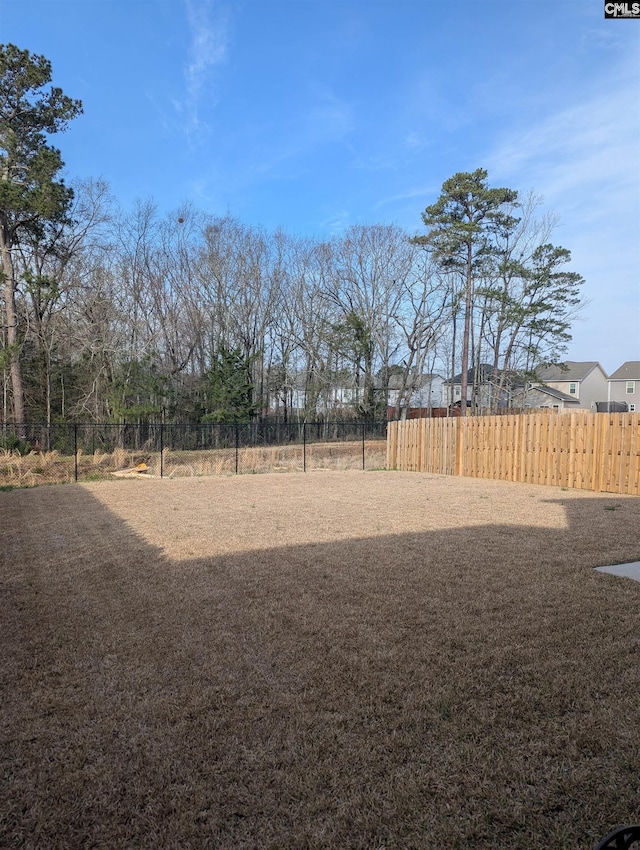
(624, 385)
(484, 383)
(422, 392)
(539, 396)
(578, 386)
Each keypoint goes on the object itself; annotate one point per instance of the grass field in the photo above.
(337, 660)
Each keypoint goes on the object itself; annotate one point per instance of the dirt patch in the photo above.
(337, 660)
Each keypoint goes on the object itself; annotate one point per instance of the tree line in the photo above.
(136, 315)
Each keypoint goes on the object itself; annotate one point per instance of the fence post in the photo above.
(237, 445)
(161, 449)
(75, 451)
(304, 446)
(461, 433)
(363, 429)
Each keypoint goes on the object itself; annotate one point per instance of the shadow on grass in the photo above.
(474, 687)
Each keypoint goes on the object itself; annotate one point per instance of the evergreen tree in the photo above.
(32, 194)
(229, 388)
(460, 226)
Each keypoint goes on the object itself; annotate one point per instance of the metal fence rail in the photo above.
(81, 451)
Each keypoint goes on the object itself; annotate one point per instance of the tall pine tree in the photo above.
(32, 194)
(459, 225)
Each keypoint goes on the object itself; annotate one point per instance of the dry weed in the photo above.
(33, 469)
(52, 468)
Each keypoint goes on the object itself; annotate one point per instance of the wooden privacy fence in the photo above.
(583, 450)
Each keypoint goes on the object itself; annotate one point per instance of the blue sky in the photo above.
(316, 114)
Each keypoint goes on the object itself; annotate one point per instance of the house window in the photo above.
(631, 387)
(572, 389)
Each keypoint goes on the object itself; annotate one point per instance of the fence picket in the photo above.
(594, 451)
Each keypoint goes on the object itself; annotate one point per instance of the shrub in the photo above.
(13, 443)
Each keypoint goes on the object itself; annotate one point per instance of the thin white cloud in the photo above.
(590, 145)
(394, 158)
(326, 121)
(208, 50)
(416, 141)
(329, 119)
(424, 192)
(584, 161)
(336, 221)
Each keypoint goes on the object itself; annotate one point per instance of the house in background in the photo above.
(577, 386)
(310, 393)
(571, 385)
(421, 395)
(485, 388)
(539, 396)
(624, 386)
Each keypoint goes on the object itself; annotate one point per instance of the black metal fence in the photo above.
(81, 451)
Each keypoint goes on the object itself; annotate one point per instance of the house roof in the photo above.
(557, 394)
(629, 371)
(570, 370)
(486, 373)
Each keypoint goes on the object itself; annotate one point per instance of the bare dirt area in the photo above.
(331, 660)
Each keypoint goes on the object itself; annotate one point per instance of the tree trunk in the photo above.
(468, 303)
(15, 370)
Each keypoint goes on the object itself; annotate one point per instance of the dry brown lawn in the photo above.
(337, 660)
